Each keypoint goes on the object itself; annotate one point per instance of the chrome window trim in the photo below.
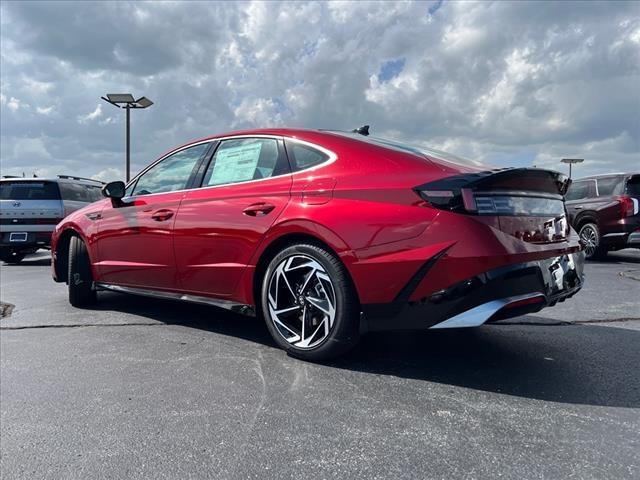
(332, 158)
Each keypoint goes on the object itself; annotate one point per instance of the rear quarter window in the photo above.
(29, 191)
(303, 156)
(610, 186)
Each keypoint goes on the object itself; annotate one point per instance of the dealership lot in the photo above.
(143, 388)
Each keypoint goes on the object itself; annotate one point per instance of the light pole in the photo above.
(571, 161)
(126, 101)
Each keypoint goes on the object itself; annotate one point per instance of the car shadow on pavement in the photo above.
(578, 364)
(619, 256)
(40, 262)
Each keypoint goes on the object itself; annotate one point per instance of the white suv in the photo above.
(30, 208)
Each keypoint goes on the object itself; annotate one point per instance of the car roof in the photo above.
(58, 179)
(606, 175)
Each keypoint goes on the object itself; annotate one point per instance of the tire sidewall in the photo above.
(80, 293)
(344, 333)
(598, 251)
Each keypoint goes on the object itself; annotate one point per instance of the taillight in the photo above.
(627, 207)
(444, 199)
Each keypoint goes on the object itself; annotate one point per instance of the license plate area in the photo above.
(18, 237)
(560, 267)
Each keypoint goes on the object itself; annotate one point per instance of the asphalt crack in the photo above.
(631, 274)
(79, 325)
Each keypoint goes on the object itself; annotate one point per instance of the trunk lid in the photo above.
(526, 203)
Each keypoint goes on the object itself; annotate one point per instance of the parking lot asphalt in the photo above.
(143, 388)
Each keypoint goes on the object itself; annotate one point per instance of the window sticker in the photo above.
(235, 164)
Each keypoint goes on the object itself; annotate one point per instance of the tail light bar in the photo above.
(514, 192)
(532, 204)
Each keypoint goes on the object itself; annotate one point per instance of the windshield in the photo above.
(29, 191)
(419, 150)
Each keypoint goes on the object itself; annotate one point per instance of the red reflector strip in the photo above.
(526, 301)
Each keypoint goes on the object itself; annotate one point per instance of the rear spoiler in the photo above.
(537, 179)
(456, 192)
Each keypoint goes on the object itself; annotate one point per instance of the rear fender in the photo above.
(299, 227)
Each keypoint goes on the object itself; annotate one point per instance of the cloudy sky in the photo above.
(508, 83)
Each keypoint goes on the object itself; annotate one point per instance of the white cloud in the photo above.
(109, 175)
(44, 110)
(91, 116)
(14, 104)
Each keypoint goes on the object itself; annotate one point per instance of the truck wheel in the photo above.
(590, 236)
(80, 279)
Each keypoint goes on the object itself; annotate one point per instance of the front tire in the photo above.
(80, 279)
(309, 303)
(590, 236)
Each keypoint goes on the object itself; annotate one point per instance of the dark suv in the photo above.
(605, 210)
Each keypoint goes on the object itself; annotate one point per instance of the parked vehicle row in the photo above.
(605, 210)
(30, 208)
(327, 235)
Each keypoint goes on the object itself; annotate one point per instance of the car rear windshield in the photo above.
(419, 150)
(29, 191)
(633, 186)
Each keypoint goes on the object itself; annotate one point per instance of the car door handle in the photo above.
(258, 209)
(162, 215)
(578, 208)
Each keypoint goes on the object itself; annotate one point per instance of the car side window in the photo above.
(79, 192)
(244, 159)
(610, 186)
(170, 174)
(303, 156)
(578, 191)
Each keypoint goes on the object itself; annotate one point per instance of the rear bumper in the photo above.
(38, 239)
(496, 294)
(634, 240)
(622, 233)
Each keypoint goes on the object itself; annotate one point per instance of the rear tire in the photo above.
(12, 257)
(590, 236)
(309, 303)
(80, 279)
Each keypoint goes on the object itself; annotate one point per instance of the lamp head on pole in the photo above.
(571, 161)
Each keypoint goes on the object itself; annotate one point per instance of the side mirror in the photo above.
(114, 190)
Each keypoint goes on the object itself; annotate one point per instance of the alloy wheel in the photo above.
(590, 238)
(302, 301)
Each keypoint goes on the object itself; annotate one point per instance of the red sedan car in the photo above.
(327, 235)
